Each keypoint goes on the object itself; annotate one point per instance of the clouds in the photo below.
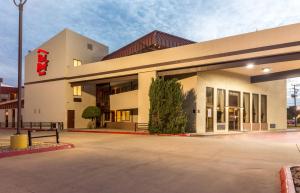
(118, 22)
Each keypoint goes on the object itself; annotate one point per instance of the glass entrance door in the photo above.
(234, 111)
(234, 119)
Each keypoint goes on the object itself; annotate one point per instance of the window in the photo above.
(107, 116)
(246, 105)
(77, 90)
(209, 109)
(123, 116)
(221, 106)
(234, 99)
(263, 107)
(255, 114)
(90, 46)
(76, 63)
(209, 96)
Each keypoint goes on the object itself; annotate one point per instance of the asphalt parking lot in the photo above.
(111, 163)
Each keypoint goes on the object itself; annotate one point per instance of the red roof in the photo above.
(8, 90)
(155, 40)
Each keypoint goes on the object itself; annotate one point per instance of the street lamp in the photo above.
(20, 5)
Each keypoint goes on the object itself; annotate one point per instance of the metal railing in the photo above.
(34, 125)
(30, 137)
(140, 126)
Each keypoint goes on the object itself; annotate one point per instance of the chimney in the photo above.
(1, 81)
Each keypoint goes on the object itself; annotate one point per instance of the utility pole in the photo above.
(294, 95)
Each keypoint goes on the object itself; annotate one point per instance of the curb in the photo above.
(286, 180)
(39, 150)
(130, 133)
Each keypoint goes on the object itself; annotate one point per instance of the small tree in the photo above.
(91, 112)
(166, 113)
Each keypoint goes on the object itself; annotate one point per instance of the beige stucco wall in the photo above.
(189, 88)
(275, 91)
(267, 37)
(45, 102)
(145, 80)
(125, 100)
(2, 115)
(88, 98)
(49, 101)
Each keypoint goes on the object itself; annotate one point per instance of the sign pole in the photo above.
(19, 116)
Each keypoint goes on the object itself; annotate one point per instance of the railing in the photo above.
(30, 137)
(141, 126)
(34, 125)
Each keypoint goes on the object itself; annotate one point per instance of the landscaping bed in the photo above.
(6, 151)
(295, 171)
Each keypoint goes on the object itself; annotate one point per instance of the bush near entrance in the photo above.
(91, 112)
(166, 107)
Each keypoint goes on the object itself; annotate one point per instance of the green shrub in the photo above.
(166, 113)
(91, 112)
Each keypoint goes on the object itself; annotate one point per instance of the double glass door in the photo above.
(234, 110)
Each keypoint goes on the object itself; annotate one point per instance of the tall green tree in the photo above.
(166, 107)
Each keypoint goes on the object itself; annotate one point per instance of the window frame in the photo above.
(76, 91)
(76, 62)
(257, 107)
(265, 107)
(249, 105)
(218, 102)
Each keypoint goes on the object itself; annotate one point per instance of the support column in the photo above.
(144, 80)
(241, 112)
(226, 110)
(214, 111)
(251, 109)
(259, 111)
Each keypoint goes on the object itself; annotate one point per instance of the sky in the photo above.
(118, 22)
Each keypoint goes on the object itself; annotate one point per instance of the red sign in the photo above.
(42, 63)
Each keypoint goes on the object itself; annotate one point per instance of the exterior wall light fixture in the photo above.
(250, 66)
(266, 70)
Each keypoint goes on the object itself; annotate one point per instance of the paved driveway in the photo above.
(106, 163)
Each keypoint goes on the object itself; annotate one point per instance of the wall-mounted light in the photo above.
(266, 70)
(250, 66)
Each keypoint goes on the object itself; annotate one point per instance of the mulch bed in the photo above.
(296, 177)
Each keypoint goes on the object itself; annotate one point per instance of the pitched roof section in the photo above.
(155, 40)
(8, 90)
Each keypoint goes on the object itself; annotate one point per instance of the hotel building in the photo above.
(236, 83)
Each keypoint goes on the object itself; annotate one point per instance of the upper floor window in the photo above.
(76, 62)
(77, 90)
(90, 46)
